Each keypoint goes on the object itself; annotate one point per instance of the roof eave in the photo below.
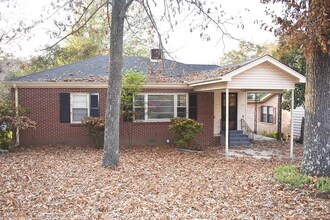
(206, 82)
(20, 84)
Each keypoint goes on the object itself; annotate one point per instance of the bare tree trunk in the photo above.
(316, 159)
(111, 133)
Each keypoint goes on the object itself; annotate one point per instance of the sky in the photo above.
(184, 46)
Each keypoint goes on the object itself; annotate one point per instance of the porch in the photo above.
(231, 113)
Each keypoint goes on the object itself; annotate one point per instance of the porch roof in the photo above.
(261, 74)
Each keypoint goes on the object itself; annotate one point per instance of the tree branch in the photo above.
(82, 15)
(124, 9)
(211, 19)
(153, 22)
(79, 28)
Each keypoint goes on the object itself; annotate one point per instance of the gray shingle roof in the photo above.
(96, 69)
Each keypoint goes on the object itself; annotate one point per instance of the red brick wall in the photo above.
(44, 106)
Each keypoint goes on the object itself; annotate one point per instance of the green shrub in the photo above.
(272, 134)
(95, 129)
(131, 86)
(6, 137)
(289, 174)
(185, 131)
(323, 184)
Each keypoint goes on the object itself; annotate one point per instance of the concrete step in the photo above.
(235, 132)
(245, 143)
(237, 138)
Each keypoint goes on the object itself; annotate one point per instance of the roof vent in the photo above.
(156, 54)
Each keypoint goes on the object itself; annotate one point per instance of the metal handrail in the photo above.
(246, 129)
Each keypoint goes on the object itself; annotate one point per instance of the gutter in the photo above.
(46, 85)
(16, 113)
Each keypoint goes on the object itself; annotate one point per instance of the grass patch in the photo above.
(291, 175)
(323, 184)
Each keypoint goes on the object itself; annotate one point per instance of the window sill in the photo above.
(268, 123)
(153, 121)
(76, 124)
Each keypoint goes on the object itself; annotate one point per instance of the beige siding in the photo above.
(241, 107)
(263, 76)
(217, 112)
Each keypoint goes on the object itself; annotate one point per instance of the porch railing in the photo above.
(247, 130)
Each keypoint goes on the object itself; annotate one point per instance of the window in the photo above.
(267, 114)
(182, 106)
(160, 107)
(74, 107)
(79, 107)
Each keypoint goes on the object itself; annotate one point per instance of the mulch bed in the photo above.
(152, 182)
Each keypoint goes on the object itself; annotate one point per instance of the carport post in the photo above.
(227, 121)
(292, 107)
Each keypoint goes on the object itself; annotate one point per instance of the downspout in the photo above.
(16, 113)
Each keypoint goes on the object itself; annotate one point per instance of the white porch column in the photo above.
(227, 121)
(246, 103)
(292, 107)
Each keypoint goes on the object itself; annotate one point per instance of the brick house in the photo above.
(214, 95)
(263, 117)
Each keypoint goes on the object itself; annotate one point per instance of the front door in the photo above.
(232, 111)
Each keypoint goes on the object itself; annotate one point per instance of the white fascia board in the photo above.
(89, 85)
(166, 86)
(205, 82)
(56, 84)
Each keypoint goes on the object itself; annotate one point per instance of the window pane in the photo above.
(264, 117)
(79, 101)
(160, 115)
(160, 106)
(270, 110)
(182, 112)
(160, 103)
(270, 118)
(232, 100)
(162, 99)
(78, 114)
(182, 100)
(139, 114)
(264, 110)
(139, 100)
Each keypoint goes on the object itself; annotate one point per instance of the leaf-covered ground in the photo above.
(157, 182)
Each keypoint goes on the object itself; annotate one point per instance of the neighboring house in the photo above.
(263, 114)
(59, 98)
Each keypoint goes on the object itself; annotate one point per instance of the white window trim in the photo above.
(71, 106)
(146, 119)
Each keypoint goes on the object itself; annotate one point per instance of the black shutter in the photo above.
(65, 107)
(193, 106)
(94, 105)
